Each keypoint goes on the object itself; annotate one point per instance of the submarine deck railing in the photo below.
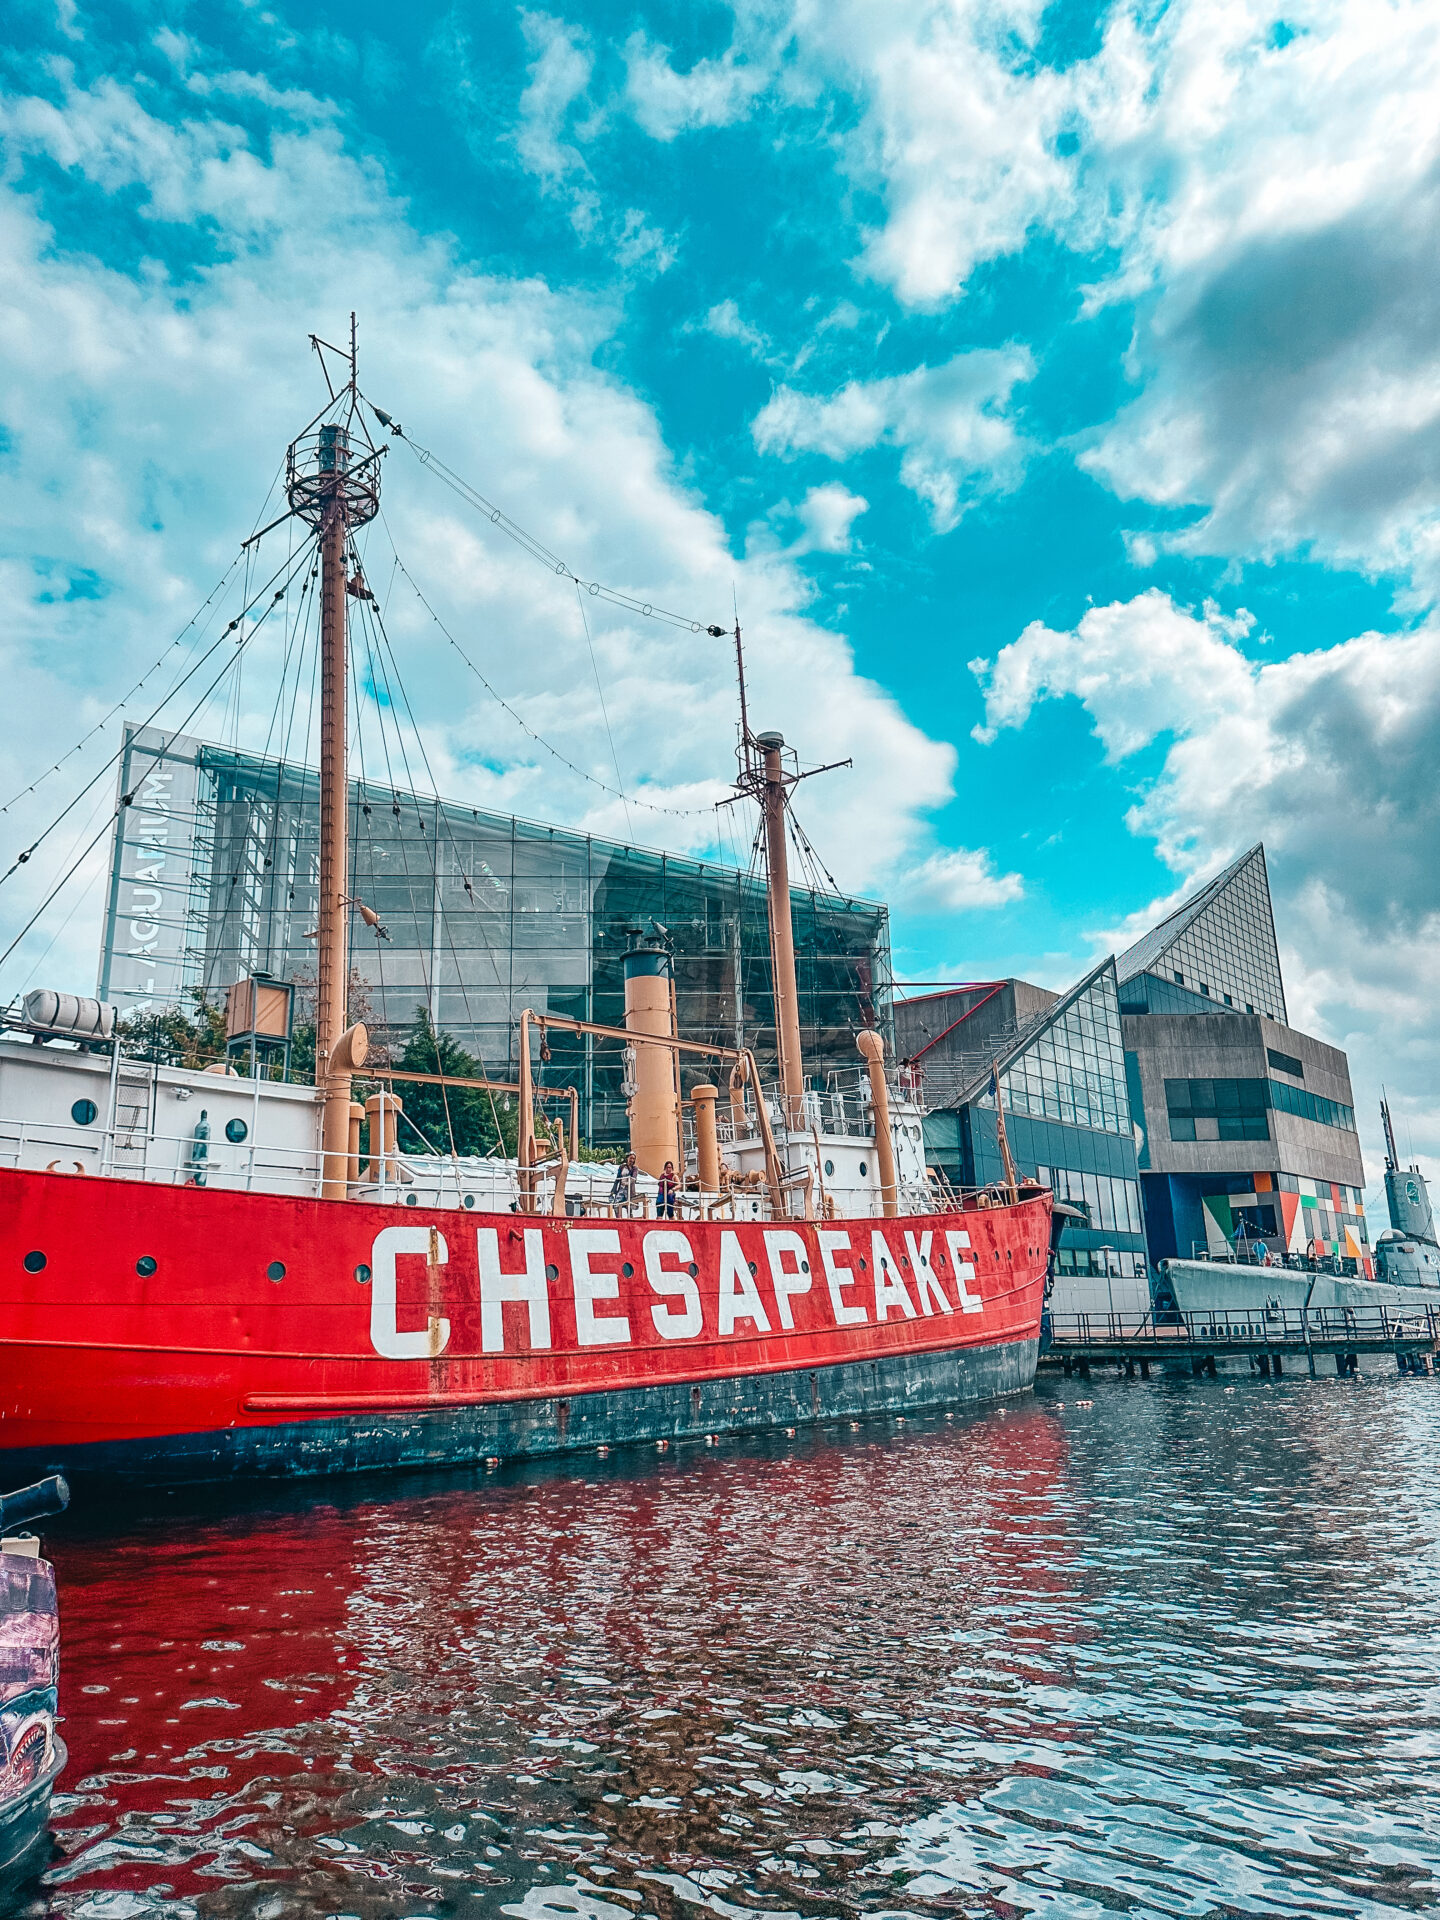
(1068, 1338)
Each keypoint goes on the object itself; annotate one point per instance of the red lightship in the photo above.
(306, 1308)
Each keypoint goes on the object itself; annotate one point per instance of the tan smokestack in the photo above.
(707, 1142)
(649, 1008)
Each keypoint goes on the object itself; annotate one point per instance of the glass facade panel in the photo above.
(485, 915)
(1074, 1070)
(1218, 946)
(1311, 1106)
(1114, 1205)
(1236, 1109)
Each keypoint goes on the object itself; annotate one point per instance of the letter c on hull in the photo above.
(429, 1341)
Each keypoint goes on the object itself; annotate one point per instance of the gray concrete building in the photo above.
(1246, 1125)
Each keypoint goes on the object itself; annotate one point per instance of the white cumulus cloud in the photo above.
(1328, 757)
(959, 880)
(949, 423)
(146, 417)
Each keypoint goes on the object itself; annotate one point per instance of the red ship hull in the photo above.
(159, 1333)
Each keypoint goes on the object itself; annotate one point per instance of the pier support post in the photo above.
(1278, 1364)
(1210, 1365)
(1144, 1369)
(1264, 1366)
(1340, 1365)
(1129, 1369)
(1312, 1363)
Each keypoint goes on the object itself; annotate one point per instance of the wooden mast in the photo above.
(782, 930)
(333, 968)
(333, 483)
(764, 778)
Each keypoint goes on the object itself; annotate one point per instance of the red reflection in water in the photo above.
(239, 1691)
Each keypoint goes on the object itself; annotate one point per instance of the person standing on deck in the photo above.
(627, 1180)
(668, 1193)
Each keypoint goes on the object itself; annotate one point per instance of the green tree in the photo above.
(189, 1034)
(476, 1121)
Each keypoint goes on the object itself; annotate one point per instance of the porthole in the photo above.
(362, 1274)
(412, 1199)
(804, 1266)
(275, 1270)
(864, 1169)
(146, 1265)
(863, 1267)
(552, 1273)
(34, 1263)
(752, 1266)
(468, 1201)
(692, 1270)
(84, 1112)
(236, 1131)
(628, 1271)
(829, 1169)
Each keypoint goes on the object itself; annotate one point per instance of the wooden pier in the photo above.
(1268, 1336)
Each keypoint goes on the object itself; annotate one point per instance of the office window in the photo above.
(1217, 1109)
(1285, 1063)
(1311, 1106)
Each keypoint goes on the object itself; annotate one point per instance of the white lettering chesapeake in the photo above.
(385, 1337)
(787, 1282)
(591, 1330)
(889, 1287)
(958, 1243)
(739, 1296)
(929, 1287)
(496, 1288)
(836, 1277)
(671, 1324)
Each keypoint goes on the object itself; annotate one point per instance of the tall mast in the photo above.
(773, 798)
(764, 777)
(334, 483)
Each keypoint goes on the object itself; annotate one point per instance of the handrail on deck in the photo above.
(1299, 1326)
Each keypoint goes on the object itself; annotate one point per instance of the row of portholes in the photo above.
(467, 1200)
(830, 1169)
(85, 1113)
(147, 1265)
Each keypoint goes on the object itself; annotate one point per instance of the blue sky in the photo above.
(1054, 387)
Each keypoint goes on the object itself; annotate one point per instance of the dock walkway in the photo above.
(1074, 1342)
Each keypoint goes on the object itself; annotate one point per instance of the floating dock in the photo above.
(1074, 1342)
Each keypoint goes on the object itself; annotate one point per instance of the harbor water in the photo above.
(1166, 1647)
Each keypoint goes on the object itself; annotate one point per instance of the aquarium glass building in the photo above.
(1060, 1063)
(1247, 1124)
(214, 876)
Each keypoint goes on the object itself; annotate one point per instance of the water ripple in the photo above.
(1171, 1650)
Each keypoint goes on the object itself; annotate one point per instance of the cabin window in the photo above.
(84, 1112)
(362, 1274)
(34, 1263)
(146, 1265)
(236, 1131)
(275, 1270)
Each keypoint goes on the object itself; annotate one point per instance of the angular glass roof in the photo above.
(1220, 943)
